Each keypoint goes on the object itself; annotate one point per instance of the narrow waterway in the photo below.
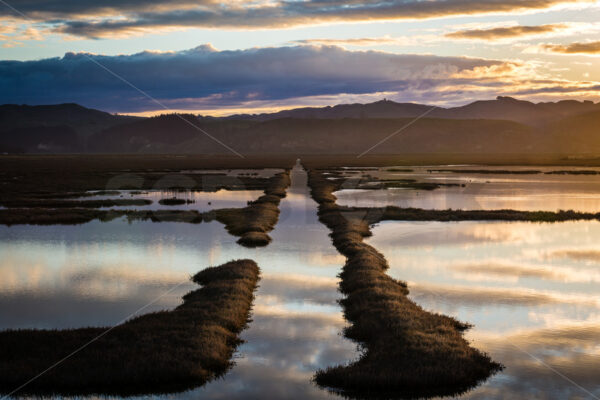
(98, 273)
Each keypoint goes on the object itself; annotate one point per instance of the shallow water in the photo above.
(100, 273)
(482, 191)
(531, 290)
(199, 201)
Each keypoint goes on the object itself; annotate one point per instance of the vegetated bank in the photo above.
(51, 203)
(161, 352)
(251, 223)
(392, 213)
(408, 352)
(488, 171)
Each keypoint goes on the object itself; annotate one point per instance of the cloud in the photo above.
(573, 48)
(485, 296)
(579, 255)
(505, 32)
(205, 78)
(548, 363)
(12, 34)
(91, 19)
(385, 40)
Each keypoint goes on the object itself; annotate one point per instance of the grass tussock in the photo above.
(160, 352)
(408, 170)
(417, 214)
(174, 201)
(407, 351)
(252, 223)
(573, 172)
(49, 203)
(489, 171)
(75, 216)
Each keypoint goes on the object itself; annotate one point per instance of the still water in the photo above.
(531, 290)
(100, 273)
(196, 200)
(477, 191)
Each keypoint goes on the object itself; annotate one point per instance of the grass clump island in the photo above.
(489, 171)
(252, 223)
(174, 201)
(161, 352)
(408, 352)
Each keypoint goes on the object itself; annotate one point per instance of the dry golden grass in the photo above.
(253, 222)
(407, 351)
(159, 352)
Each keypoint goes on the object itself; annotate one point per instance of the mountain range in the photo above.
(503, 125)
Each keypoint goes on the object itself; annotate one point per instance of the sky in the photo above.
(148, 57)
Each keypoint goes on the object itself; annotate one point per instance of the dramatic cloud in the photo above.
(505, 32)
(574, 48)
(206, 79)
(109, 17)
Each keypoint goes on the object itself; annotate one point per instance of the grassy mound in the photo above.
(253, 222)
(407, 351)
(159, 352)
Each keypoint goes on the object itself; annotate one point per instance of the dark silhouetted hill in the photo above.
(576, 135)
(504, 108)
(84, 121)
(169, 134)
(41, 139)
(504, 125)
(165, 133)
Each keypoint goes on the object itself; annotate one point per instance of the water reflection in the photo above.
(199, 201)
(531, 290)
(475, 191)
(98, 273)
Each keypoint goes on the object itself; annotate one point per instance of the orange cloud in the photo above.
(505, 32)
(574, 48)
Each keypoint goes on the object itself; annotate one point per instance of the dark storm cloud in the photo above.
(118, 18)
(206, 77)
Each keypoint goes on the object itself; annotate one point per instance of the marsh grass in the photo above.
(573, 172)
(50, 203)
(489, 171)
(417, 214)
(174, 201)
(407, 351)
(408, 170)
(252, 223)
(159, 352)
(75, 216)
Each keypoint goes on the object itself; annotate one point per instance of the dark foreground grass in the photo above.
(252, 223)
(50, 203)
(408, 352)
(160, 352)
